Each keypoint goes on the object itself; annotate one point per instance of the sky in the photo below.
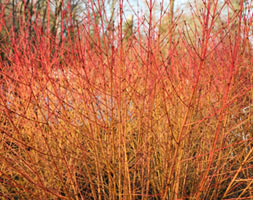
(178, 3)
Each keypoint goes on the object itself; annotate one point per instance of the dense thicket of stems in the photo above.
(95, 106)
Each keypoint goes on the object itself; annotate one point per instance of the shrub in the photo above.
(90, 110)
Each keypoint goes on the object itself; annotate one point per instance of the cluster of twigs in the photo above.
(87, 113)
